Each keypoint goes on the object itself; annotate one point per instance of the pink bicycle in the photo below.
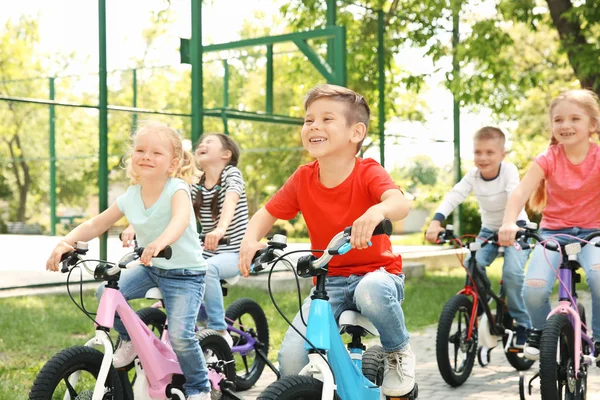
(83, 372)
(566, 348)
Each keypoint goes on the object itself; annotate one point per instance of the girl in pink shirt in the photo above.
(564, 184)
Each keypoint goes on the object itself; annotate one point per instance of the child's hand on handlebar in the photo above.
(363, 227)
(150, 251)
(54, 259)
(507, 234)
(128, 236)
(211, 241)
(247, 252)
(433, 231)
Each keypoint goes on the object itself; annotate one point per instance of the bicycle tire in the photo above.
(372, 364)
(247, 315)
(218, 356)
(518, 363)
(294, 387)
(455, 376)
(62, 365)
(556, 356)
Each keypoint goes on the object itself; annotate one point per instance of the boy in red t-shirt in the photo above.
(333, 192)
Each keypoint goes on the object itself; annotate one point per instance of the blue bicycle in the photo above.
(332, 371)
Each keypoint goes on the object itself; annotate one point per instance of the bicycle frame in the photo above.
(323, 332)
(471, 289)
(157, 357)
(565, 306)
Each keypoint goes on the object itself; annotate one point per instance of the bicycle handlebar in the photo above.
(339, 245)
(73, 257)
(448, 235)
(523, 235)
(224, 240)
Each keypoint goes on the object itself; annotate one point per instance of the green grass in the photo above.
(34, 328)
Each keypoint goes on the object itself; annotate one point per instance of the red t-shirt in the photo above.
(572, 190)
(327, 211)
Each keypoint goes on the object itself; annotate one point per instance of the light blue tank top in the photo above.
(150, 223)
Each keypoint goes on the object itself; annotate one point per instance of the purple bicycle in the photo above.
(566, 349)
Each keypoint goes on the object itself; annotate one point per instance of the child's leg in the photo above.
(590, 261)
(182, 291)
(379, 296)
(539, 280)
(134, 284)
(221, 266)
(513, 277)
(292, 355)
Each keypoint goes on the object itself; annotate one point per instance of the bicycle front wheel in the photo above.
(72, 373)
(557, 367)
(294, 387)
(454, 352)
(247, 316)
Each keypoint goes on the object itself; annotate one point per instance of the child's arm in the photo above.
(393, 205)
(456, 196)
(257, 228)
(180, 218)
(211, 240)
(516, 202)
(86, 231)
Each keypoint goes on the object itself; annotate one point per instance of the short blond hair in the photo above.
(186, 170)
(490, 133)
(357, 108)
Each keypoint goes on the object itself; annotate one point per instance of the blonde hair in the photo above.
(357, 109)
(186, 170)
(589, 102)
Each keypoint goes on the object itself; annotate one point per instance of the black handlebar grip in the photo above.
(224, 240)
(65, 256)
(385, 227)
(122, 239)
(165, 253)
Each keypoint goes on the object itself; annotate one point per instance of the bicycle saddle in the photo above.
(354, 318)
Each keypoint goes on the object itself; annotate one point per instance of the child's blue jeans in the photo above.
(220, 266)
(377, 295)
(513, 274)
(182, 291)
(540, 277)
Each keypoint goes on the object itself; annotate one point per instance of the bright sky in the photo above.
(77, 30)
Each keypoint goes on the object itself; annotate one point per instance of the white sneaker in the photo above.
(200, 396)
(399, 372)
(124, 354)
(227, 338)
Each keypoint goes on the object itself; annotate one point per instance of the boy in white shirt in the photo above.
(492, 180)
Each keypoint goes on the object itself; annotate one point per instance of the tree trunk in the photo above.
(575, 44)
(22, 175)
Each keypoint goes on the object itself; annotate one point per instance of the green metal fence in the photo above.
(333, 70)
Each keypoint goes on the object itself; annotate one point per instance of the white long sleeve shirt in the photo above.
(491, 194)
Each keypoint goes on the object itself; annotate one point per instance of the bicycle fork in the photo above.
(100, 339)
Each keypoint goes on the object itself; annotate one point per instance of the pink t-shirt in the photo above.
(573, 191)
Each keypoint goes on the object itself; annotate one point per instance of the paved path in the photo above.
(496, 381)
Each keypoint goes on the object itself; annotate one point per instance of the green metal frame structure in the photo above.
(333, 69)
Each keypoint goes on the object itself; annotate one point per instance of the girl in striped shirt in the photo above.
(221, 208)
